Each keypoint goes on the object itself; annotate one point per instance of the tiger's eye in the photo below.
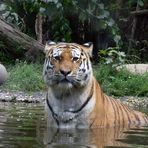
(75, 59)
(57, 58)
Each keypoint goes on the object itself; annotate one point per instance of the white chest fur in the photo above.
(69, 110)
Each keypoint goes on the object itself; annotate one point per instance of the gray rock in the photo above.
(3, 74)
(135, 68)
(19, 96)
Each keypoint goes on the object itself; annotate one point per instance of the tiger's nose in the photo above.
(65, 73)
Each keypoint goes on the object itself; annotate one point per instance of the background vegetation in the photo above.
(121, 25)
(121, 83)
(28, 77)
(118, 29)
(25, 77)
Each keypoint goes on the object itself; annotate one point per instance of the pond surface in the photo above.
(24, 126)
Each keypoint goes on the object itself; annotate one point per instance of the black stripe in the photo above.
(115, 116)
(87, 63)
(85, 103)
(118, 111)
(137, 118)
(54, 115)
(122, 112)
(145, 119)
(125, 109)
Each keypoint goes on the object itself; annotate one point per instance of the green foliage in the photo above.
(21, 13)
(25, 77)
(62, 30)
(98, 17)
(5, 57)
(58, 11)
(68, 20)
(112, 56)
(11, 15)
(138, 51)
(138, 2)
(121, 83)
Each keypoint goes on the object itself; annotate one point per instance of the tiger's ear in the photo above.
(89, 48)
(48, 46)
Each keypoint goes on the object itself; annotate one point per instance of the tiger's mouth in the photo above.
(65, 80)
(65, 84)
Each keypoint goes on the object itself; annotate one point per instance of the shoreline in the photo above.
(39, 97)
(20, 96)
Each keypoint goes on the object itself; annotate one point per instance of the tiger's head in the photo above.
(67, 65)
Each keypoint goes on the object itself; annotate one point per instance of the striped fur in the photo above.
(74, 98)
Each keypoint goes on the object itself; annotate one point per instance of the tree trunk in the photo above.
(13, 38)
(133, 29)
(38, 27)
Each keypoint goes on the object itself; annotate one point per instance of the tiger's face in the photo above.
(67, 65)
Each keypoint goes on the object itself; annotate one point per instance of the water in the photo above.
(24, 126)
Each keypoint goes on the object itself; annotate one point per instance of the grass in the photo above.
(28, 77)
(25, 77)
(121, 83)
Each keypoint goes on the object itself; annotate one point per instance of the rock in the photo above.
(19, 96)
(3, 74)
(135, 68)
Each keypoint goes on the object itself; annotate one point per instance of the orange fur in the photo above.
(109, 112)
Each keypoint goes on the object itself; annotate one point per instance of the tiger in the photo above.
(74, 97)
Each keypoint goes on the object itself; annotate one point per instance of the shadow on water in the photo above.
(24, 126)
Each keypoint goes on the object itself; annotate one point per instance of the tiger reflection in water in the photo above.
(89, 138)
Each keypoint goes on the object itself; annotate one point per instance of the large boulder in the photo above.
(3, 74)
(135, 68)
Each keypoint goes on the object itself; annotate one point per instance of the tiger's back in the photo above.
(74, 98)
(114, 112)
